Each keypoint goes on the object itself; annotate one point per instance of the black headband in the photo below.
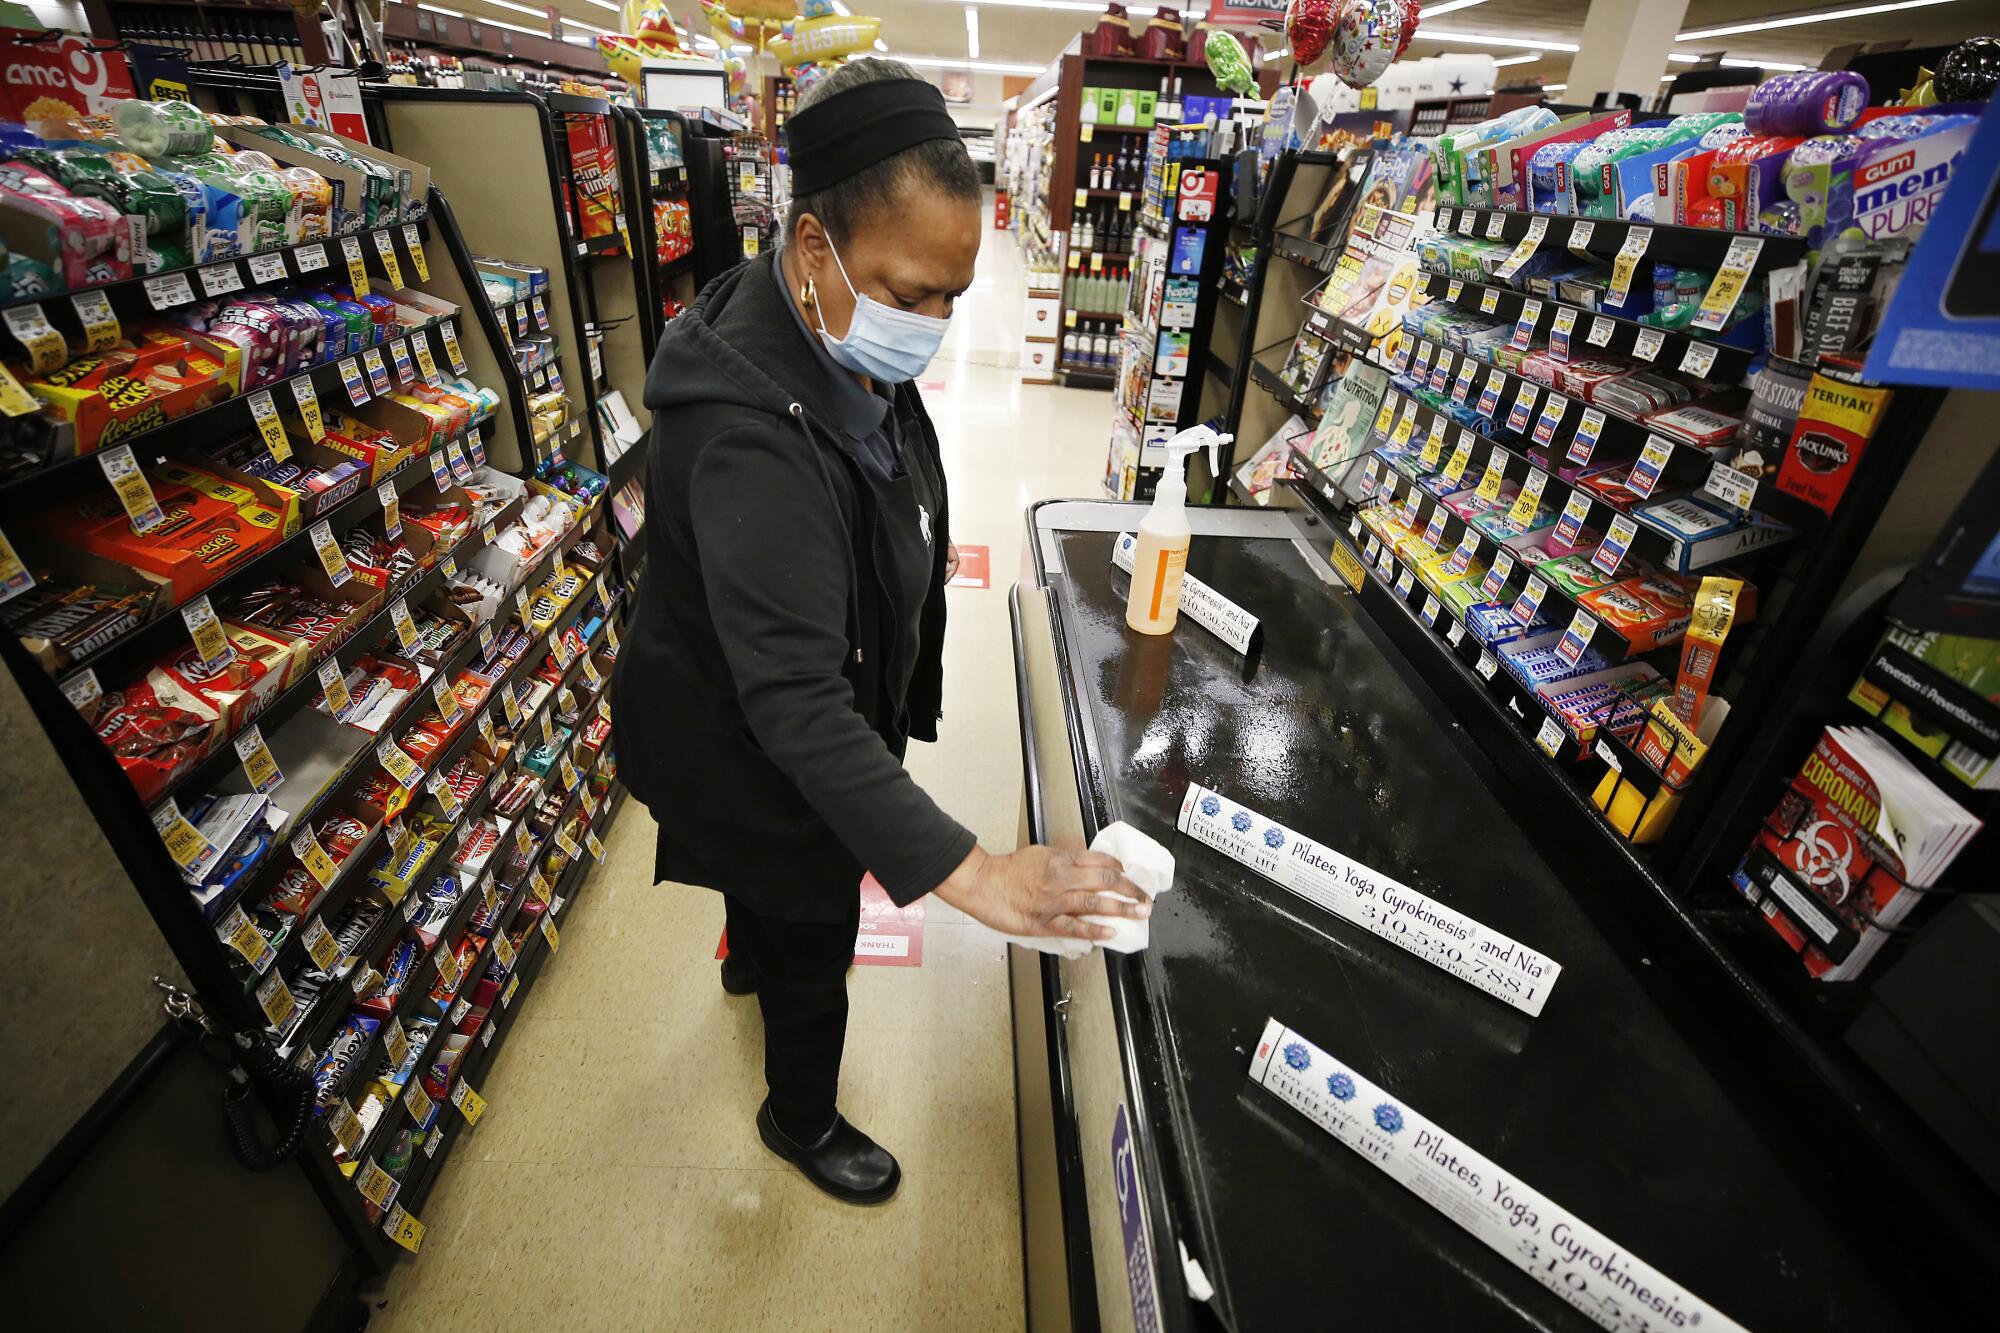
(853, 130)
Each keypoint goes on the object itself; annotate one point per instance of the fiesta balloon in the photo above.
(624, 55)
(806, 75)
(1309, 26)
(827, 38)
(1229, 64)
(771, 11)
(1366, 39)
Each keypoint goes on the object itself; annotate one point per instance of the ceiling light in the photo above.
(1081, 7)
(1432, 11)
(1527, 59)
(1801, 20)
(881, 45)
(840, 8)
(1278, 54)
(987, 66)
(1555, 87)
(1494, 39)
(606, 4)
(1738, 62)
(972, 32)
(542, 14)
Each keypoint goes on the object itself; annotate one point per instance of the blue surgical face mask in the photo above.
(883, 342)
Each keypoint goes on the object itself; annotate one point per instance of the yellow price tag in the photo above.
(1096, 262)
(16, 401)
(268, 425)
(447, 700)
(274, 997)
(568, 773)
(415, 245)
(1434, 444)
(1069, 319)
(1529, 500)
(345, 1126)
(333, 688)
(1082, 198)
(596, 847)
(375, 1184)
(590, 674)
(447, 966)
(402, 1227)
(100, 323)
(320, 945)
(1086, 132)
(1625, 264)
(308, 401)
(206, 631)
(426, 364)
(331, 558)
(503, 949)
(549, 934)
(511, 706)
(239, 933)
(135, 493)
(305, 846)
(1730, 281)
(1386, 416)
(396, 1042)
(538, 885)
(1406, 425)
(450, 334)
(398, 762)
(31, 328)
(357, 268)
(255, 756)
(406, 629)
(1496, 472)
(507, 996)
(469, 1103)
(1461, 458)
(1124, 201)
(385, 247)
(418, 1101)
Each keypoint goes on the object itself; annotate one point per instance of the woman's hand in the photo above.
(1041, 891)
(950, 561)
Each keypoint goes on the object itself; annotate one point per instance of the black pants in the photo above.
(801, 970)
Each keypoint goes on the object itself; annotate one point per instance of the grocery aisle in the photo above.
(617, 1180)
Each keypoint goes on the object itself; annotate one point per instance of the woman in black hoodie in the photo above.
(789, 631)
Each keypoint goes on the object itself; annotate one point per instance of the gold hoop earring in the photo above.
(809, 294)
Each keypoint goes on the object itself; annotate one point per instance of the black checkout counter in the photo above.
(1143, 1139)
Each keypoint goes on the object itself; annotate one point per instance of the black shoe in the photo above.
(738, 977)
(844, 1162)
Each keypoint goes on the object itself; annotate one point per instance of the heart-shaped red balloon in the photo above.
(1309, 27)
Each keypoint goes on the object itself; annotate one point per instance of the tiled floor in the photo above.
(617, 1181)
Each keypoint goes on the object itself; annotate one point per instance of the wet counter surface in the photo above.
(1600, 1103)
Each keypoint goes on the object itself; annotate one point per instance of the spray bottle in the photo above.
(1161, 555)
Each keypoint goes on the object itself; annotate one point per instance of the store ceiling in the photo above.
(1016, 34)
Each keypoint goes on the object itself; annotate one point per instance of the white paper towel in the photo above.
(1147, 864)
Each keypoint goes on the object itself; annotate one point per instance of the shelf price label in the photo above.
(333, 688)
(395, 1042)
(1454, 289)
(538, 886)
(1489, 393)
(320, 945)
(274, 997)
(392, 509)
(310, 258)
(1553, 410)
(503, 949)
(1462, 554)
(520, 312)
(1530, 600)
(402, 1227)
(83, 690)
(399, 357)
(449, 331)
(1646, 345)
(220, 279)
(1406, 581)
(454, 453)
(507, 995)
(1524, 326)
(1559, 332)
(1574, 515)
(135, 493)
(440, 467)
(309, 413)
(16, 401)
(255, 756)
(1413, 502)
(1549, 737)
(1441, 370)
(1626, 263)
(31, 328)
(1530, 499)
(1584, 443)
(549, 934)
(469, 1103)
(1652, 463)
(1580, 233)
(357, 267)
(447, 699)
(1461, 458)
(265, 411)
(1496, 225)
(406, 628)
(1497, 575)
(415, 245)
(1610, 552)
(448, 969)
(1601, 329)
(1431, 608)
(378, 371)
(1524, 250)
(350, 377)
(1496, 473)
(397, 761)
(268, 267)
(1462, 386)
(1420, 363)
(486, 732)
(512, 707)
(206, 631)
(1466, 219)
(1733, 488)
(306, 846)
(426, 363)
(331, 558)
(342, 1124)
(374, 1184)
(541, 310)
(1489, 300)
(1526, 394)
(1385, 416)
(1434, 530)
(168, 290)
(418, 1101)
(1576, 638)
(1406, 425)
(385, 249)
(569, 778)
(238, 932)
(1730, 281)
(1698, 359)
(1488, 664)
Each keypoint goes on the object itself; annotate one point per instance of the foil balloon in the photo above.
(1412, 14)
(772, 11)
(1366, 39)
(1969, 71)
(1228, 63)
(828, 37)
(1309, 26)
(739, 73)
(806, 75)
(625, 55)
(655, 22)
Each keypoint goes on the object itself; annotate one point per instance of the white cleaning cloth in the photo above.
(1147, 864)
